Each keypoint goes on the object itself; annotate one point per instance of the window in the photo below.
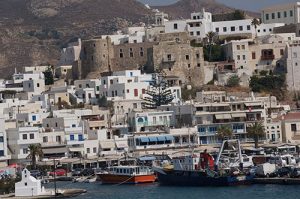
(154, 120)
(143, 91)
(243, 47)
(232, 28)
(94, 150)
(187, 57)
(58, 139)
(1, 139)
(25, 150)
(136, 92)
(175, 26)
(127, 91)
(248, 27)
(192, 33)
(284, 14)
(273, 15)
(267, 16)
(72, 137)
(134, 105)
(238, 47)
(80, 137)
(217, 30)
(241, 28)
(244, 57)
(24, 136)
(45, 139)
(294, 127)
(142, 54)
(281, 52)
(191, 25)
(169, 56)
(198, 33)
(1, 153)
(253, 55)
(198, 65)
(278, 15)
(197, 55)
(238, 57)
(87, 150)
(224, 29)
(38, 85)
(264, 30)
(291, 13)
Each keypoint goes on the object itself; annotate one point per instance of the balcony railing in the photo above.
(267, 57)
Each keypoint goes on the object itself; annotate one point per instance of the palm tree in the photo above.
(35, 150)
(224, 131)
(211, 37)
(256, 131)
(255, 22)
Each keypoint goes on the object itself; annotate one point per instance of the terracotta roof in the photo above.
(291, 116)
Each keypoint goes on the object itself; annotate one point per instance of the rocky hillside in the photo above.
(33, 31)
(183, 8)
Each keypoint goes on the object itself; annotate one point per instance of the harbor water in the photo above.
(155, 191)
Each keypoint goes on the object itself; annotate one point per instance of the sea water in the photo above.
(155, 191)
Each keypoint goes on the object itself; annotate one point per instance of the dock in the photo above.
(282, 181)
(62, 193)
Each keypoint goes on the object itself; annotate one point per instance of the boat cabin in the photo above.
(130, 170)
(193, 162)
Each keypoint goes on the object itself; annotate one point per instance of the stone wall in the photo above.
(176, 57)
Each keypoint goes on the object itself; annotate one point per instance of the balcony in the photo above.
(267, 57)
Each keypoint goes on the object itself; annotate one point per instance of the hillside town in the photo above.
(154, 90)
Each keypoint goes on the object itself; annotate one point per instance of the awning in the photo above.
(147, 158)
(223, 116)
(238, 114)
(54, 150)
(122, 144)
(161, 138)
(75, 149)
(169, 138)
(153, 139)
(253, 103)
(144, 139)
(107, 144)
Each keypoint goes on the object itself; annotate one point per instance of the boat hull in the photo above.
(126, 179)
(197, 178)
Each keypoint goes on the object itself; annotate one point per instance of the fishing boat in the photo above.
(203, 170)
(127, 175)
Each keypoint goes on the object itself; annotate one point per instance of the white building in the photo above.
(70, 54)
(4, 157)
(287, 13)
(29, 186)
(19, 139)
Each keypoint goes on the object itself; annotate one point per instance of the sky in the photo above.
(253, 5)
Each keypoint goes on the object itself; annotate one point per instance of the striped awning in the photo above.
(238, 114)
(223, 116)
(107, 144)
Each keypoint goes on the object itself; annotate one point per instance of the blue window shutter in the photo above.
(72, 137)
(34, 118)
(80, 137)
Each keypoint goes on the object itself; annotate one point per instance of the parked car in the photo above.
(284, 172)
(295, 173)
(36, 173)
(88, 172)
(58, 172)
(77, 172)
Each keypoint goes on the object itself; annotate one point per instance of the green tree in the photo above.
(224, 132)
(238, 15)
(211, 37)
(233, 81)
(35, 150)
(158, 92)
(103, 101)
(255, 22)
(256, 131)
(49, 79)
